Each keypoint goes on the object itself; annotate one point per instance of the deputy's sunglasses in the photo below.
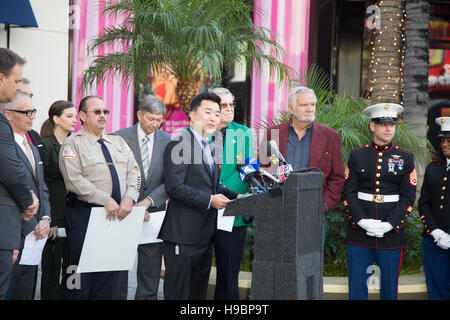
(100, 111)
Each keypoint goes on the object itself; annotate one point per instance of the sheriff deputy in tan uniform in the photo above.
(99, 170)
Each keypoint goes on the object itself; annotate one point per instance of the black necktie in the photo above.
(115, 178)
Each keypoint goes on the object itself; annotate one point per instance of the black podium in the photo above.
(287, 262)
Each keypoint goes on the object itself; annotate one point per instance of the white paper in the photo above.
(62, 233)
(32, 250)
(224, 223)
(111, 245)
(150, 229)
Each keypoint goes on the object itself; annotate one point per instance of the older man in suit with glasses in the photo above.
(21, 113)
(148, 142)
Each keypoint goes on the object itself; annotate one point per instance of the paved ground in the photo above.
(131, 284)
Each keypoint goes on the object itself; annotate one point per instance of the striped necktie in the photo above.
(145, 155)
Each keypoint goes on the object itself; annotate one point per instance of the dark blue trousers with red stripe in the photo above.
(360, 261)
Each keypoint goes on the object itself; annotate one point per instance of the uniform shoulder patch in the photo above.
(346, 172)
(68, 152)
(413, 177)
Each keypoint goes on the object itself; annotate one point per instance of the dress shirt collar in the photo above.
(197, 136)
(19, 139)
(92, 138)
(141, 134)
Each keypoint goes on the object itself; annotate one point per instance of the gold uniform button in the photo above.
(380, 154)
(443, 188)
(378, 167)
(445, 178)
(377, 190)
(380, 160)
(441, 207)
(362, 170)
(442, 197)
(378, 175)
(378, 182)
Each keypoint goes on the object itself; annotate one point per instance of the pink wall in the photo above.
(289, 19)
(118, 98)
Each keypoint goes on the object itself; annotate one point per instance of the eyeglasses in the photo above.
(100, 111)
(231, 105)
(28, 113)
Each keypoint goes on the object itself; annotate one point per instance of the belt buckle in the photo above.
(378, 198)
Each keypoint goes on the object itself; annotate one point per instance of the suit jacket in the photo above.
(57, 188)
(37, 142)
(189, 184)
(325, 154)
(15, 194)
(434, 201)
(37, 183)
(153, 186)
(238, 146)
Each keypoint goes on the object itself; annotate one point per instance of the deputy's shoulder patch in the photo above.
(68, 152)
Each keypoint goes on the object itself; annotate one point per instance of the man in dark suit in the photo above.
(306, 143)
(16, 199)
(148, 142)
(192, 183)
(20, 113)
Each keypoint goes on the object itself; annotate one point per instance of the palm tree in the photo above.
(416, 65)
(386, 69)
(193, 39)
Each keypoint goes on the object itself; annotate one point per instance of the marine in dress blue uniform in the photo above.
(379, 194)
(434, 210)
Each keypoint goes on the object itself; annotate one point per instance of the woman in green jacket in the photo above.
(61, 122)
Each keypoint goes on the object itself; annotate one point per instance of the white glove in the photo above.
(444, 241)
(380, 229)
(437, 234)
(369, 224)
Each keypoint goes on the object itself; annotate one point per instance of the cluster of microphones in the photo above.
(258, 179)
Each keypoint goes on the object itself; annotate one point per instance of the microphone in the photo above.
(247, 175)
(273, 153)
(284, 171)
(257, 165)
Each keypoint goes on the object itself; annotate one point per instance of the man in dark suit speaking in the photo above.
(195, 195)
(16, 200)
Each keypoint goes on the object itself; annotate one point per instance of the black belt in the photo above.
(72, 202)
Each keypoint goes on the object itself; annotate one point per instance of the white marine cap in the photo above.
(384, 112)
(444, 122)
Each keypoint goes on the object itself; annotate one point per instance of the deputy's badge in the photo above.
(68, 153)
(347, 172)
(413, 178)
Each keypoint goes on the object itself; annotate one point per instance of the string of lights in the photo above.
(388, 53)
